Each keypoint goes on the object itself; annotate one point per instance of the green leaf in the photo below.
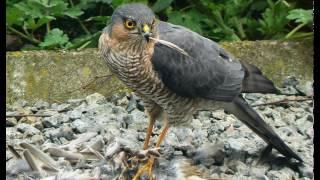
(28, 9)
(116, 3)
(274, 20)
(104, 1)
(50, 7)
(34, 23)
(14, 16)
(161, 5)
(55, 38)
(301, 16)
(191, 19)
(73, 12)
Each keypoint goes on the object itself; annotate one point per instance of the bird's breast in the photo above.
(138, 74)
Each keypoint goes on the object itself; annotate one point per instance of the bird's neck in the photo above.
(127, 61)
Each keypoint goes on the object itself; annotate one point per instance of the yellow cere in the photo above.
(146, 28)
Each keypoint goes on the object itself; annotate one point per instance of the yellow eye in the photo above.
(129, 24)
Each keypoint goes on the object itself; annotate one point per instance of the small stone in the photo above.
(235, 145)
(306, 171)
(63, 107)
(303, 125)
(49, 122)
(118, 110)
(171, 139)
(306, 89)
(123, 102)
(75, 102)
(290, 81)
(66, 132)
(37, 139)
(309, 118)
(11, 122)
(80, 126)
(196, 124)
(38, 125)
(258, 172)
(219, 114)
(48, 112)
(29, 120)
(203, 115)
(40, 104)
(95, 98)
(178, 153)
(287, 131)
(17, 167)
(138, 116)
(310, 133)
(283, 174)
(238, 167)
(74, 114)
(27, 128)
(33, 109)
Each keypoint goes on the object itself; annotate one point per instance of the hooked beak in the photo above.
(146, 32)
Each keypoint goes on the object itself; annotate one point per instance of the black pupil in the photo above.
(130, 24)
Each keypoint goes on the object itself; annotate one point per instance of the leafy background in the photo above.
(77, 24)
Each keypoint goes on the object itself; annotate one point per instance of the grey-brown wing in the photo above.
(209, 72)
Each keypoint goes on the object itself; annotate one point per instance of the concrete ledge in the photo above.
(61, 75)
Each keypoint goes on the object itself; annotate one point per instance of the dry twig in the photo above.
(283, 101)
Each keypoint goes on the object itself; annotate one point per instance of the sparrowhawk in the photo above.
(187, 74)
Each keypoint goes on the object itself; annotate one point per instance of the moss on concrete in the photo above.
(61, 75)
(277, 59)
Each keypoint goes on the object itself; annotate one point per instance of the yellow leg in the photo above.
(149, 131)
(148, 166)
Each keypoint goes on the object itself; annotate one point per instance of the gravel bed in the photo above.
(97, 138)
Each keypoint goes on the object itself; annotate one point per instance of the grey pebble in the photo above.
(40, 104)
(27, 128)
(49, 112)
(11, 122)
(80, 126)
(63, 107)
(306, 171)
(75, 102)
(233, 158)
(17, 167)
(74, 114)
(49, 122)
(95, 98)
(306, 88)
(219, 114)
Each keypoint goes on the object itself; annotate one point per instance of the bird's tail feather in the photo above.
(255, 82)
(242, 110)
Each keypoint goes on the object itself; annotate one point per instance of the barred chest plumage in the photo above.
(136, 71)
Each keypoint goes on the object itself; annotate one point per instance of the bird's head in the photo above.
(132, 23)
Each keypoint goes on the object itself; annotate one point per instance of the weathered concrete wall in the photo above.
(61, 75)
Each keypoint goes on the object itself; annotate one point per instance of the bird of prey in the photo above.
(178, 72)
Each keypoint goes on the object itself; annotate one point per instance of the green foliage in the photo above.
(69, 24)
(55, 38)
(161, 5)
(274, 20)
(301, 16)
